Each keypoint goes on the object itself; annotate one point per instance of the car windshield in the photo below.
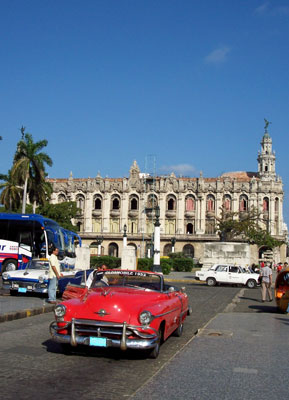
(38, 264)
(43, 264)
(135, 279)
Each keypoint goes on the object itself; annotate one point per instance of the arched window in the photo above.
(190, 229)
(152, 201)
(243, 203)
(227, 203)
(167, 249)
(61, 198)
(134, 203)
(97, 202)
(276, 205)
(265, 204)
(113, 250)
(115, 204)
(171, 203)
(190, 203)
(80, 202)
(189, 251)
(210, 203)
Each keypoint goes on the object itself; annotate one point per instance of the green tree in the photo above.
(11, 194)
(29, 164)
(39, 192)
(244, 226)
(62, 213)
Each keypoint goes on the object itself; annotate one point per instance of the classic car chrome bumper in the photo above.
(145, 341)
(27, 287)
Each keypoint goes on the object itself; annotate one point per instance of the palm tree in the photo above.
(39, 192)
(28, 166)
(11, 193)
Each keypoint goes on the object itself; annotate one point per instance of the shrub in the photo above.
(166, 265)
(183, 264)
(110, 262)
(145, 264)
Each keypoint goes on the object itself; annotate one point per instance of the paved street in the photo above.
(240, 354)
(34, 365)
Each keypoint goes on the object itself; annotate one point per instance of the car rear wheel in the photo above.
(211, 282)
(9, 265)
(251, 284)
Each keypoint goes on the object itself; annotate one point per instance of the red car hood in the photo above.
(113, 304)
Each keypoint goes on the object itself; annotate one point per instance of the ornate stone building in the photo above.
(187, 207)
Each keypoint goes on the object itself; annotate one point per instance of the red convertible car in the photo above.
(124, 309)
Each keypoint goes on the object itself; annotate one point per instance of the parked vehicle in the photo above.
(124, 309)
(282, 289)
(27, 236)
(225, 273)
(34, 278)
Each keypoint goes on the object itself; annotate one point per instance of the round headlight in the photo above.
(60, 310)
(145, 317)
(5, 275)
(41, 278)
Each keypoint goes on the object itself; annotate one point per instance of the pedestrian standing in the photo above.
(266, 275)
(53, 275)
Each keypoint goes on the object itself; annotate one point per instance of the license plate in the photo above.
(22, 290)
(97, 341)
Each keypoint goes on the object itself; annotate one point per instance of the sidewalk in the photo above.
(236, 356)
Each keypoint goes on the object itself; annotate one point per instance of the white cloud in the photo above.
(218, 55)
(267, 9)
(179, 169)
(263, 8)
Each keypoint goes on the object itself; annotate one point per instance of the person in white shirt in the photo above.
(53, 275)
(266, 274)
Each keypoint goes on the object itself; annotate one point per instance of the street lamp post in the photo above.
(157, 241)
(173, 241)
(124, 235)
(99, 240)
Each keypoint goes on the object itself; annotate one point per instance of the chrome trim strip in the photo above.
(166, 313)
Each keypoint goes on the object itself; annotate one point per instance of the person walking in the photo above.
(266, 275)
(53, 274)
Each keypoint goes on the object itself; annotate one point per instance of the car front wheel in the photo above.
(211, 282)
(251, 284)
(179, 331)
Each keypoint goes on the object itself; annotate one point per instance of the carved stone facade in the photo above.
(187, 207)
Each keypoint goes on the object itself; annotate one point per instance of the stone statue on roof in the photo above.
(266, 125)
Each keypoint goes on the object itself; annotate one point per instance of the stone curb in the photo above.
(25, 313)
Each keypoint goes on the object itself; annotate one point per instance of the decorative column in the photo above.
(157, 241)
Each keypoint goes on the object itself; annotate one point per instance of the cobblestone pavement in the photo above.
(32, 364)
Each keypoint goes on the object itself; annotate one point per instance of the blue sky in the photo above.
(109, 82)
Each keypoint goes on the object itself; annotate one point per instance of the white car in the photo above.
(225, 273)
(34, 278)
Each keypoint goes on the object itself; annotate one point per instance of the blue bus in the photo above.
(26, 236)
